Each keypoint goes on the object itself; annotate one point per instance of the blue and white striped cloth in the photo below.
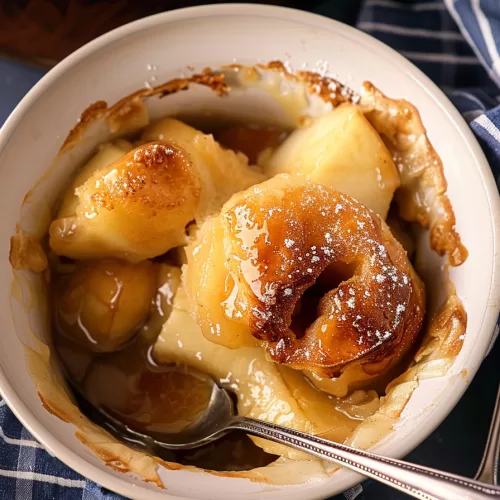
(456, 42)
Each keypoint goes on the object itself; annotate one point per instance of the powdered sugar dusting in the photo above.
(282, 248)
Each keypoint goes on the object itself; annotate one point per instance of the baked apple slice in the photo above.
(342, 150)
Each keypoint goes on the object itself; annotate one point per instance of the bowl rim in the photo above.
(121, 486)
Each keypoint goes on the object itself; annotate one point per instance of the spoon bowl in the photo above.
(210, 425)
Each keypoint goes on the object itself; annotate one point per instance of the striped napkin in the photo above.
(457, 44)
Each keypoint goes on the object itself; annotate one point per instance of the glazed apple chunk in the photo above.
(138, 206)
(106, 154)
(227, 171)
(102, 304)
(134, 209)
(341, 150)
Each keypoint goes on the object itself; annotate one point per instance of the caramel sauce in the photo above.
(250, 140)
(114, 370)
(150, 399)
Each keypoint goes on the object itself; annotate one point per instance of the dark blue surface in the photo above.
(16, 79)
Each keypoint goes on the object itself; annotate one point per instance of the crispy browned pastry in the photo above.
(27, 253)
(313, 275)
(422, 195)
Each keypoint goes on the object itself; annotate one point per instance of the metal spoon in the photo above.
(219, 418)
(488, 470)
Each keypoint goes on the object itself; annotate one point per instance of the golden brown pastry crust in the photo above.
(422, 195)
(327, 88)
(27, 253)
(130, 113)
(280, 237)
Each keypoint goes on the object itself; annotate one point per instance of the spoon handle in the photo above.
(488, 470)
(420, 482)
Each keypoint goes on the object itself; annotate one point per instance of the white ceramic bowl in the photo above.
(117, 64)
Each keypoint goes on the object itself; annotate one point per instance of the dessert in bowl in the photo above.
(287, 235)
